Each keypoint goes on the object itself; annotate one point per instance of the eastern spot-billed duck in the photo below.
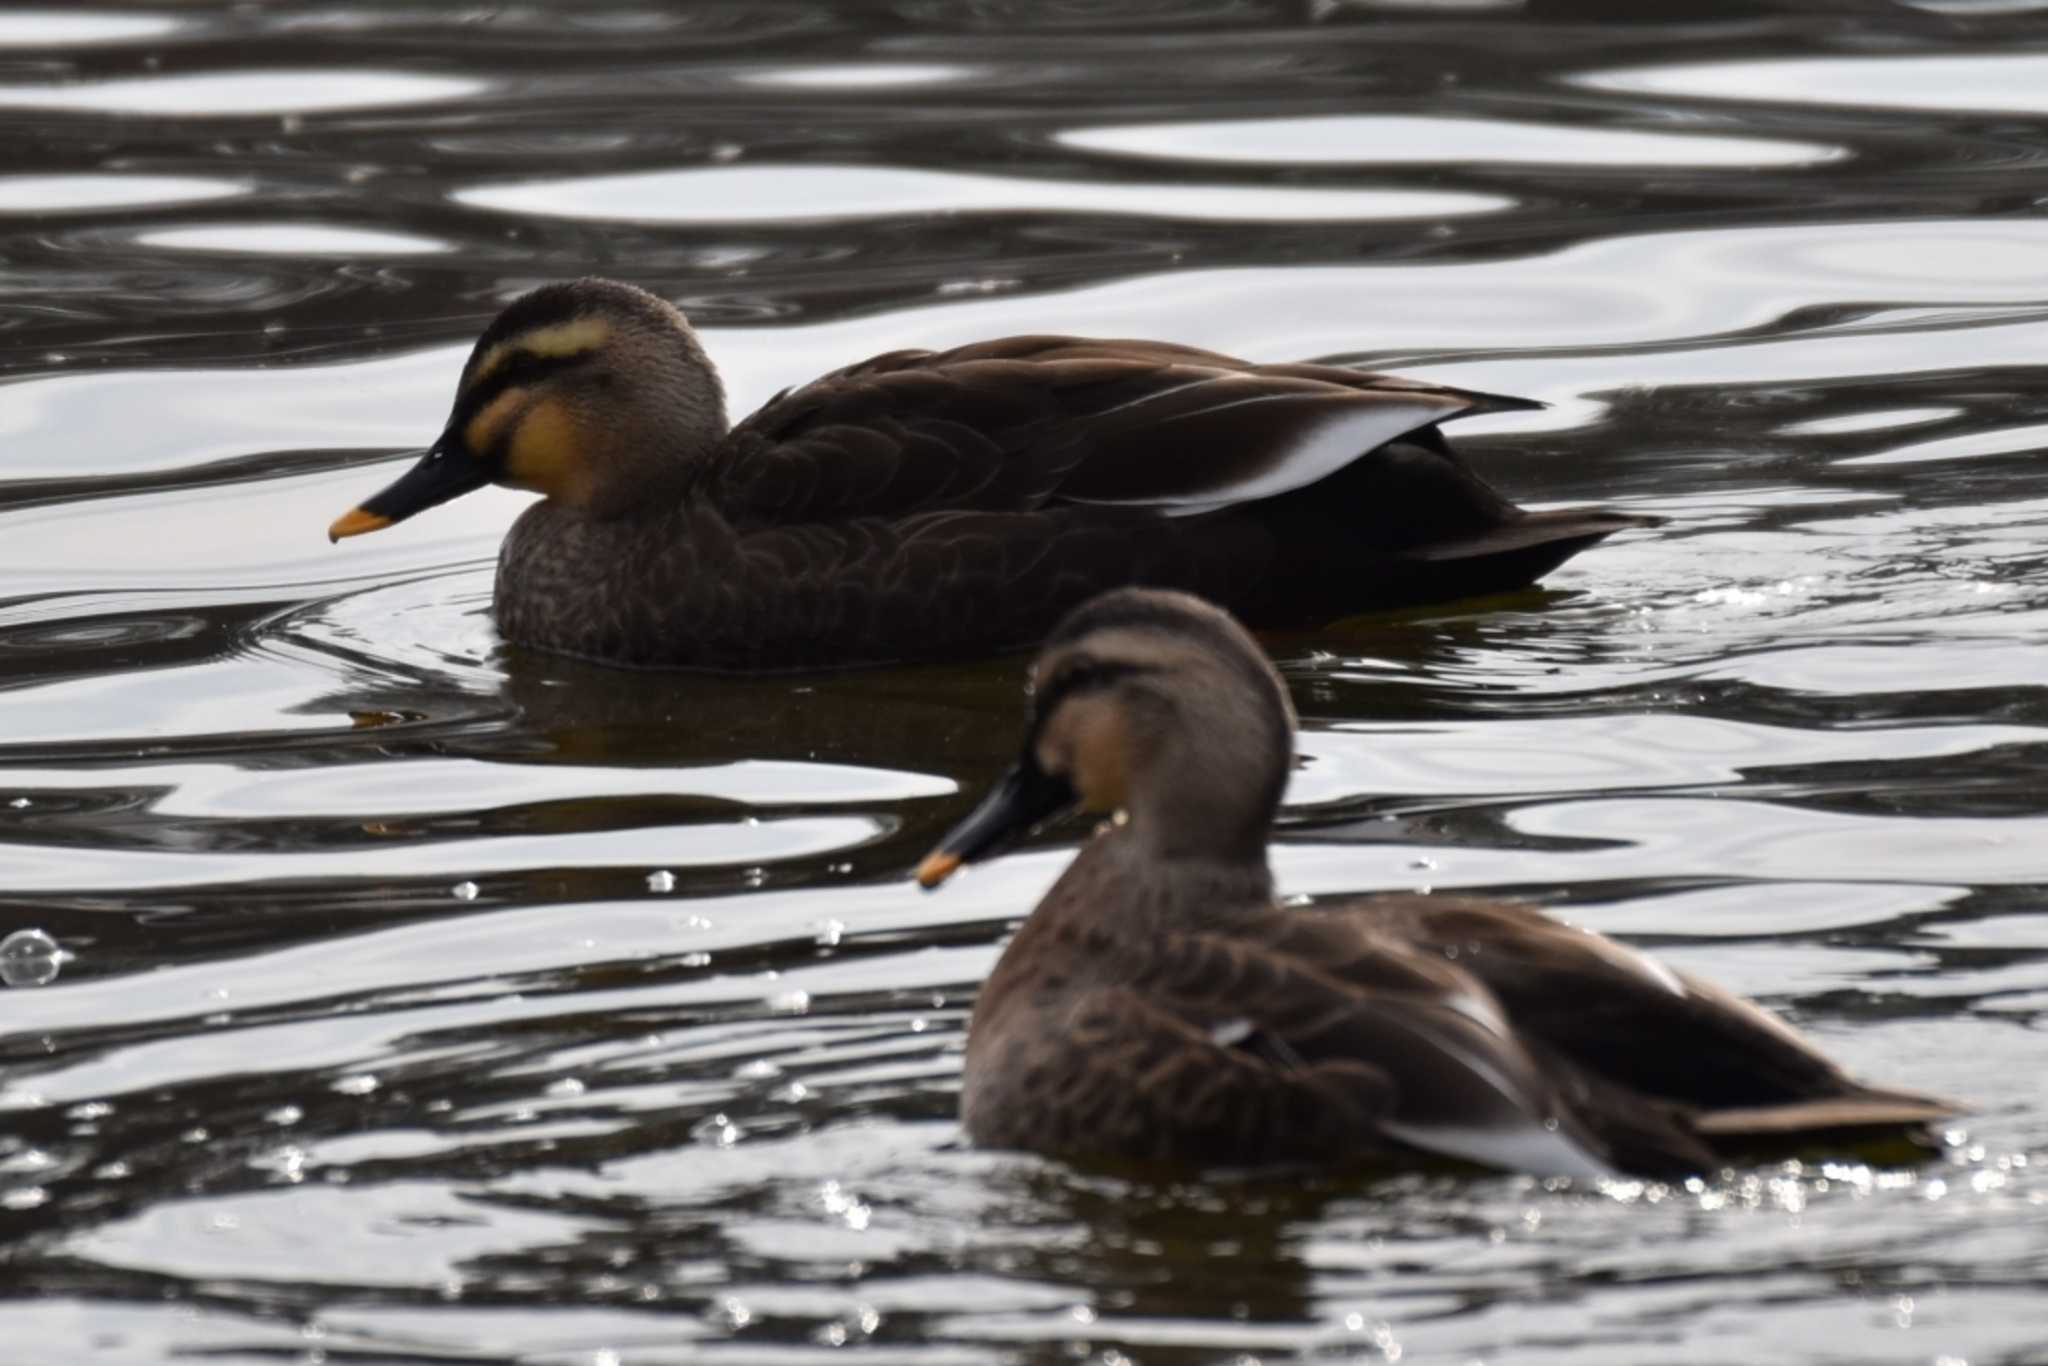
(926, 504)
(1159, 1005)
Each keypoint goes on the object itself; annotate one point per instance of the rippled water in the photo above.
(422, 1001)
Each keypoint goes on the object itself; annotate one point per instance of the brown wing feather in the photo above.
(1618, 1014)
(1209, 1010)
(1016, 423)
(1119, 1076)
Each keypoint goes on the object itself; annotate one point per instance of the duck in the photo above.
(924, 505)
(1159, 1005)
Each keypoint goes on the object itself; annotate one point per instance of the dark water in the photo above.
(430, 1002)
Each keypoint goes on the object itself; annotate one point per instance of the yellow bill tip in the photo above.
(936, 869)
(356, 522)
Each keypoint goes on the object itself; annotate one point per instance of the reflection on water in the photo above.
(1987, 82)
(244, 93)
(771, 193)
(1381, 139)
(409, 998)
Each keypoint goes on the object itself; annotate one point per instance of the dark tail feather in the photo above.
(1573, 529)
(1512, 555)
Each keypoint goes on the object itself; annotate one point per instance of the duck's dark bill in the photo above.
(1026, 796)
(446, 471)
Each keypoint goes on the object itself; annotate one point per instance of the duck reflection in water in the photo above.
(1160, 1005)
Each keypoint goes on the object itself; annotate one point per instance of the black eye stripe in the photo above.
(521, 368)
(525, 366)
(1091, 676)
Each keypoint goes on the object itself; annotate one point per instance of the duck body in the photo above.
(924, 505)
(1159, 1005)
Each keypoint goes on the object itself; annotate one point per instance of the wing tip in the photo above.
(1879, 1110)
(1480, 402)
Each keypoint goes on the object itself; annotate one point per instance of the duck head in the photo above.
(592, 393)
(1157, 709)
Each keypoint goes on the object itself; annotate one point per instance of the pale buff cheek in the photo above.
(543, 454)
(1092, 749)
(1103, 783)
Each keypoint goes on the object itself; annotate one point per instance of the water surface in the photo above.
(423, 1000)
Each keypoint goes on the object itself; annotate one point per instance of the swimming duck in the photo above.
(1160, 1005)
(930, 504)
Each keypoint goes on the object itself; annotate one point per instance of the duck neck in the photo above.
(1181, 881)
(659, 449)
(1205, 790)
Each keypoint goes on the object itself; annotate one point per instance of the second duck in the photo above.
(1160, 1004)
(924, 505)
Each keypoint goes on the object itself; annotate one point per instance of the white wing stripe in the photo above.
(1315, 454)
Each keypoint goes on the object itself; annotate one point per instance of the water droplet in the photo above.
(756, 1069)
(790, 1002)
(30, 958)
(661, 880)
(21, 803)
(567, 1086)
(27, 1162)
(361, 1084)
(463, 891)
(987, 284)
(717, 1131)
(699, 959)
(288, 1162)
(284, 1116)
(830, 932)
